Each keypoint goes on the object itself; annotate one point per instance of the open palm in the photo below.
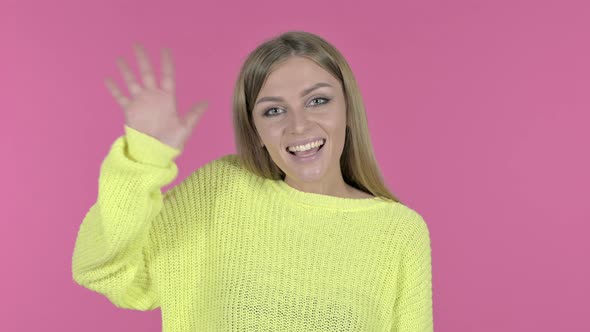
(151, 109)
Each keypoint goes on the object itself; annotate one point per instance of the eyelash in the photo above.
(326, 100)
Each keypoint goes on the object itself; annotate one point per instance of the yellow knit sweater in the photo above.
(226, 250)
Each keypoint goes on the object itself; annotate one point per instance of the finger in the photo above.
(192, 118)
(132, 86)
(119, 97)
(167, 71)
(147, 74)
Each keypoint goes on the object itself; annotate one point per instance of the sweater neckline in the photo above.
(325, 201)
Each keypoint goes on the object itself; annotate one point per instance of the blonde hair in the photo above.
(358, 165)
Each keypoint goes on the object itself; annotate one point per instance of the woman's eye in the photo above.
(269, 112)
(325, 100)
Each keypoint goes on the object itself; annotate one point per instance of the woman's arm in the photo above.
(112, 254)
(413, 305)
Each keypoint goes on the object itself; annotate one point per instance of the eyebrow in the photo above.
(303, 94)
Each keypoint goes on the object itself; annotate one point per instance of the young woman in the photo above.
(295, 232)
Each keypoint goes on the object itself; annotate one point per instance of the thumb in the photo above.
(193, 116)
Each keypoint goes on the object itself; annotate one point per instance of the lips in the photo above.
(307, 159)
(305, 142)
(321, 146)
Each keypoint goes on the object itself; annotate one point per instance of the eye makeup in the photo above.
(325, 101)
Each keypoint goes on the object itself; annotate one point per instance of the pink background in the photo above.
(479, 115)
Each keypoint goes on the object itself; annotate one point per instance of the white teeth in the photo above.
(309, 146)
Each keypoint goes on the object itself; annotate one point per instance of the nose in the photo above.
(299, 121)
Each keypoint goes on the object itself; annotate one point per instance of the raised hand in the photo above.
(151, 109)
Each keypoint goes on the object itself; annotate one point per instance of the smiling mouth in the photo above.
(319, 148)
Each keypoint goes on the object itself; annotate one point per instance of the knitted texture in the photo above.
(226, 250)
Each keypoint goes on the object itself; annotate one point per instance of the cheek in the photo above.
(335, 124)
(263, 135)
(271, 136)
(337, 116)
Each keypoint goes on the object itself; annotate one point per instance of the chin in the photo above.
(304, 173)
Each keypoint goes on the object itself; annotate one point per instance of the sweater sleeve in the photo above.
(413, 305)
(112, 249)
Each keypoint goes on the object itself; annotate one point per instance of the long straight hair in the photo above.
(357, 162)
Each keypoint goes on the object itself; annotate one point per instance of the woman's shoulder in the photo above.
(228, 164)
(224, 169)
(411, 219)
(220, 164)
(414, 222)
(231, 160)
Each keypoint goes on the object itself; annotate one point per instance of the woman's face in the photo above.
(300, 101)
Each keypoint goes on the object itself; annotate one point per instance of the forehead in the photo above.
(297, 73)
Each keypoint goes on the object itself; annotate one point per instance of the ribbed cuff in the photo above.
(144, 148)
